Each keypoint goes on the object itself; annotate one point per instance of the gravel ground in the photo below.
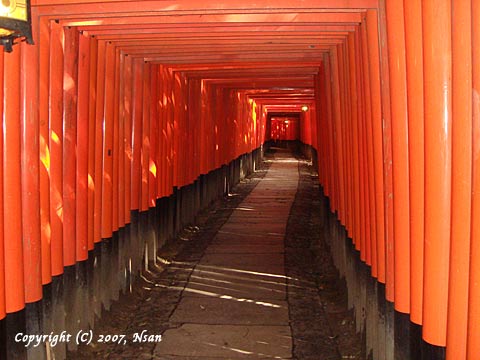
(322, 327)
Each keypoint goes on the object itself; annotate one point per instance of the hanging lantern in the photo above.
(15, 23)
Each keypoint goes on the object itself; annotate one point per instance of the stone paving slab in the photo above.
(246, 249)
(228, 238)
(270, 198)
(275, 210)
(261, 213)
(257, 207)
(254, 219)
(252, 231)
(248, 241)
(249, 210)
(266, 204)
(268, 262)
(236, 292)
(230, 310)
(227, 342)
(258, 268)
(255, 228)
(259, 234)
(251, 227)
(239, 286)
(239, 276)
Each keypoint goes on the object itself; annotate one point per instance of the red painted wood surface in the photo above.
(457, 319)
(44, 143)
(55, 135)
(83, 145)
(473, 347)
(12, 191)
(70, 87)
(399, 118)
(30, 159)
(437, 56)
(414, 64)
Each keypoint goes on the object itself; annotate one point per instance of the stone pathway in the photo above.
(254, 280)
(234, 304)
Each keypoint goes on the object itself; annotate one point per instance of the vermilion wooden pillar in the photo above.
(461, 180)
(83, 145)
(437, 55)
(399, 116)
(338, 140)
(116, 221)
(70, 78)
(99, 146)
(137, 111)
(56, 146)
(145, 158)
(30, 130)
(44, 143)
(377, 129)
(414, 66)
(127, 116)
(108, 141)
(12, 192)
(387, 263)
(473, 345)
(355, 139)
(152, 162)
(372, 236)
(92, 97)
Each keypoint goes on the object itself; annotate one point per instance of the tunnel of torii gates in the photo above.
(120, 105)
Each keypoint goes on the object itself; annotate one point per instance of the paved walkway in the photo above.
(235, 302)
(254, 280)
